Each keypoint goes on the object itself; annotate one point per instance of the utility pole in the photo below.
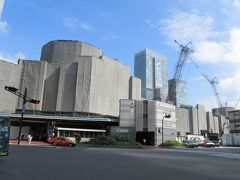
(26, 99)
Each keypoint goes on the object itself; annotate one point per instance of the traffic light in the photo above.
(34, 101)
(10, 88)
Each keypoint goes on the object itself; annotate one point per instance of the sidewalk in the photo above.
(33, 143)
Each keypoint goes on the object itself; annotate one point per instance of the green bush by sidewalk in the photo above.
(78, 138)
(114, 141)
(174, 144)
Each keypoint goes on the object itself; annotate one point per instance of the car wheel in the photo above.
(70, 145)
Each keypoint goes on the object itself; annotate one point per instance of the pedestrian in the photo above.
(144, 141)
(29, 138)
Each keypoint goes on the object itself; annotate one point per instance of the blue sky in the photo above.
(122, 28)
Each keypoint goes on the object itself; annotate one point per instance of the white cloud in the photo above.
(231, 84)
(12, 59)
(4, 28)
(211, 47)
(188, 26)
(75, 23)
(220, 52)
(235, 3)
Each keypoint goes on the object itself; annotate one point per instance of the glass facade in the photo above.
(151, 68)
(179, 95)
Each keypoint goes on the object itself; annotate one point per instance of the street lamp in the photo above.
(165, 116)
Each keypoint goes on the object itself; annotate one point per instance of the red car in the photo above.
(61, 141)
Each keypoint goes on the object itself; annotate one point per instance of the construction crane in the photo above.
(213, 82)
(184, 55)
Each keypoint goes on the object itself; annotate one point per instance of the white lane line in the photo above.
(218, 154)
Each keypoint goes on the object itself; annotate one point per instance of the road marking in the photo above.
(218, 154)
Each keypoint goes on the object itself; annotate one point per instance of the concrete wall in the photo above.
(127, 113)
(135, 88)
(109, 84)
(68, 51)
(51, 88)
(151, 116)
(214, 123)
(139, 115)
(169, 124)
(79, 78)
(193, 121)
(32, 77)
(9, 76)
(83, 86)
(231, 139)
(88, 85)
(201, 117)
(67, 87)
(182, 121)
(210, 122)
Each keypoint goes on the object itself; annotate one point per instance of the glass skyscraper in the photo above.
(179, 94)
(151, 67)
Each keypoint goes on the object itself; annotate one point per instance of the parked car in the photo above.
(61, 141)
(190, 144)
(200, 142)
(208, 143)
(51, 139)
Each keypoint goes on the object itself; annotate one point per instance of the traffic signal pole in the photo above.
(26, 99)
(21, 119)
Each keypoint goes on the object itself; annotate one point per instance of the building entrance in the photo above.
(146, 138)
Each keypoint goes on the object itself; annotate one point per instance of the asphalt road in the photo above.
(50, 163)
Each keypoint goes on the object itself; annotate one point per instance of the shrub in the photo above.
(171, 144)
(78, 138)
(114, 140)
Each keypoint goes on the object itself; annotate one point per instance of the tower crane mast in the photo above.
(213, 82)
(184, 55)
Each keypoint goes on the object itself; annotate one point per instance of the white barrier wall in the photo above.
(231, 139)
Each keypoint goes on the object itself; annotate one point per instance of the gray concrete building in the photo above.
(10, 74)
(146, 117)
(72, 78)
(192, 123)
(182, 121)
(234, 120)
(212, 123)
(91, 83)
(234, 124)
(222, 111)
